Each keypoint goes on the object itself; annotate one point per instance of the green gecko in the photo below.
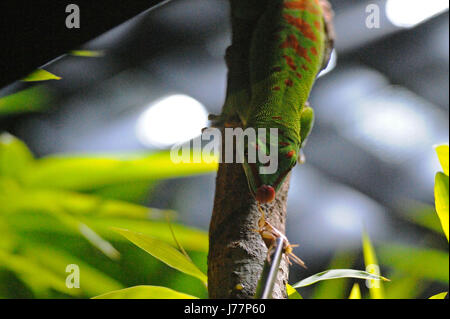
(278, 48)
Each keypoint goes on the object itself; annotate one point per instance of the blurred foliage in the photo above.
(86, 210)
(30, 100)
(61, 210)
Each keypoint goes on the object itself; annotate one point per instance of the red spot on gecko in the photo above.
(314, 51)
(290, 61)
(289, 82)
(301, 5)
(303, 26)
(290, 154)
(292, 42)
(265, 194)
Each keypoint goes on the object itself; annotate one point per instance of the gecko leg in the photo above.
(306, 125)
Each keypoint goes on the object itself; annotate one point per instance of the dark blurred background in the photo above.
(381, 106)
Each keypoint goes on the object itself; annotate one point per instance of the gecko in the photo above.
(278, 48)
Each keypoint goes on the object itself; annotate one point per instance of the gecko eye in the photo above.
(265, 194)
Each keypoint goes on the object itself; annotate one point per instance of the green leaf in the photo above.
(77, 204)
(14, 156)
(135, 192)
(337, 274)
(424, 263)
(355, 293)
(90, 173)
(405, 286)
(88, 53)
(292, 293)
(423, 215)
(34, 274)
(336, 289)
(145, 292)
(15, 200)
(442, 295)
(34, 99)
(441, 194)
(92, 281)
(443, 155)
(370, 260)
(40, 75)
(165, 253)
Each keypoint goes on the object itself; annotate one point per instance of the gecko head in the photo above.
(265, 178)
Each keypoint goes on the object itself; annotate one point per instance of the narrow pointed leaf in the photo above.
(356, 292)
(40, 75)
(442, 295)
(88, 53)
(441, 194)
(370, 260)
(165, 253)
(145, 292)
(336, 289)
(338, 274)
(443, 155)
(292, 293)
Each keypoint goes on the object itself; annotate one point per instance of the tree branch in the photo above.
(236, 252)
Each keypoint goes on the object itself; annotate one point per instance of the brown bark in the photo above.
(236, 252)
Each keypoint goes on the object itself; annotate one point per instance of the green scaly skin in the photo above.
(279, 47)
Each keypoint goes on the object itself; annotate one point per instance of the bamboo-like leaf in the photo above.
(443, 155)
(165, 253)
(356, 292)
(370, 260)
(442, 295)
(90, 173)
(292, 293)
(145, 292)
(14, 155)
(441, 194)
(423, 263)
(40, 75)
(338, 274)
(88, 53)
(34, 99)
